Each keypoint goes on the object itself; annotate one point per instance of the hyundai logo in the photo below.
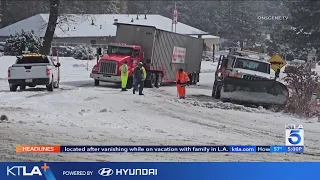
(105, 172)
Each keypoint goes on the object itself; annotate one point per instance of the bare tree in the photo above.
(302, 83)
(52, 23)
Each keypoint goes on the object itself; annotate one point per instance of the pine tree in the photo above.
(304, 26)
(19, 42)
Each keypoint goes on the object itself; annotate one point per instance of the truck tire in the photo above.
(50, 86)
(22, 87)
(218, 93)
(96, 82)
(191, 79)
(196, 77)
(150, 82)
(216, 90)
(56, 85)
(13, 88)
(158, 80)
(154, 80)
(129, 82)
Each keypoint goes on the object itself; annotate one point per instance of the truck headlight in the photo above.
(95, 69)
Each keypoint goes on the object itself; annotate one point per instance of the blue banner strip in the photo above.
(158, 171)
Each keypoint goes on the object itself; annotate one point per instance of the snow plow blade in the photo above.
(258, 92)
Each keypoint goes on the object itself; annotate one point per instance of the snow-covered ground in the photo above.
(81, 114)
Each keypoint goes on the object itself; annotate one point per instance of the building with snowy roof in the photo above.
(97, 29)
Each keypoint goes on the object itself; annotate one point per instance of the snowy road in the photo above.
(81, 114)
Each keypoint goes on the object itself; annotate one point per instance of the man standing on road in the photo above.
(182, 81)
(139, 75)
(124, 76)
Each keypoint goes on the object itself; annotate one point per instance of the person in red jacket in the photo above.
(182, 80)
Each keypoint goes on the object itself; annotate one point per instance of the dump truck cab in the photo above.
(248, 68)
(241, 78)
(108, 67)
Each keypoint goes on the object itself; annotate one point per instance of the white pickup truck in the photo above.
(32, 70)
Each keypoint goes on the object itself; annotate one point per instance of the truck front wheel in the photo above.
(129, 82)
(22, 87)
(96, 82)
(216, 90)
(50, 86)
(13, 88)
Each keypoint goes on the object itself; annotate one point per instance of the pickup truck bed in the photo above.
(29, 74)
(32, 71)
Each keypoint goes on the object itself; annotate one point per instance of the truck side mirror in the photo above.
(277, 73)
(141, 55)
(99, 51)
(58, 65)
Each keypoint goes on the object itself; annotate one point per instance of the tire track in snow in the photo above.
(259, 130)
(55, 91)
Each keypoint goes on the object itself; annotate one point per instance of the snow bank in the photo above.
(79, 65)
(225, 106)
(206, 101)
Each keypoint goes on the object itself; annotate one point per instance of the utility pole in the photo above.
(174, 17)
(175, 25)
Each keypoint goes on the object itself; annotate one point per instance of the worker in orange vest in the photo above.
(182, 80)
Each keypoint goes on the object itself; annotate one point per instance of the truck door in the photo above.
(224, 67)
(135, 57)
(54, 68)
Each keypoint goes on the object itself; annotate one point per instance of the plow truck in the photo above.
(162, 53)
(243, 79)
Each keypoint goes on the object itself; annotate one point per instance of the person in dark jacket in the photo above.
(139, 75)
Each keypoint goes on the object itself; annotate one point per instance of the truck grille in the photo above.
(250, 77)
(107, 67)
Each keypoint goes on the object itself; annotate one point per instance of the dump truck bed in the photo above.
(158, 46)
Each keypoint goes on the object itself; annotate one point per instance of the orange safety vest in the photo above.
(183, 77)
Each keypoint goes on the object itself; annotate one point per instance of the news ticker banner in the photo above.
(159, 170)
(158, 149)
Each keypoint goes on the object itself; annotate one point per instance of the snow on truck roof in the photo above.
(251, 59)
(94, 25)
(154, 28)
(123, 45)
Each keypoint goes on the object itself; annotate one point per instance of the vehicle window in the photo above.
(252, 65)
(120, 50)
(224, 62)
(32, 60)
(136, 53)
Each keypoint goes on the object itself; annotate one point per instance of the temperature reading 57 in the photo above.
(277, 149)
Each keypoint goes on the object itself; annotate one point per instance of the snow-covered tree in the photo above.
(83, 52)
(19, 42)
(304, 26)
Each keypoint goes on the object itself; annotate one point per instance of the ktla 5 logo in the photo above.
(294, 135)
(22, 170)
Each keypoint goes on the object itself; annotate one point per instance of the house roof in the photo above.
(79, 25)
(207, 37)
